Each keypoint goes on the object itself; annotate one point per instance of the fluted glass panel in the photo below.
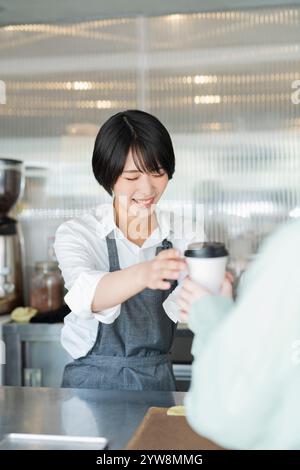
(223, 83)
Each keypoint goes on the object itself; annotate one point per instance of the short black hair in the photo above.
(139, 132)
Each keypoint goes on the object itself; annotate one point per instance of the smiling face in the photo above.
(138, 192)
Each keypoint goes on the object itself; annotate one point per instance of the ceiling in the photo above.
(67, 11)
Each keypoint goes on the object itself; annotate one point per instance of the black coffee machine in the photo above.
(11, 268)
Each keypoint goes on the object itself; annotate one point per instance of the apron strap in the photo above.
(113, 256)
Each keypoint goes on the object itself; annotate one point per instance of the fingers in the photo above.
(229, 276)
(226, 289)
(172, 256)
(186, 295)
(184, 316)
(183, 304)
(190, 293)
(170, 265)
(166, 274)
(191, 287)
(163, 285)
(169, 268)
(166, 266)
(169, 254)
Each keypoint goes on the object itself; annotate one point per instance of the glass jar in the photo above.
(46, 287)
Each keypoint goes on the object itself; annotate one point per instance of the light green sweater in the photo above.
(245, 390)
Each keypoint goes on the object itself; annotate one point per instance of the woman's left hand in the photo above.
(191, 291)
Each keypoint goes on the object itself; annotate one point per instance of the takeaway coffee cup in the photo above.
(207, 262)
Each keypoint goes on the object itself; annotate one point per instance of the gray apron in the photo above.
(133, 352)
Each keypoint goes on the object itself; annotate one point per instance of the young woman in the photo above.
(119, 277)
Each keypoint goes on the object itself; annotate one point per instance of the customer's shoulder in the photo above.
(284, 239)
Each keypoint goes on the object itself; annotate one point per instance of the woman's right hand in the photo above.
(166, 265)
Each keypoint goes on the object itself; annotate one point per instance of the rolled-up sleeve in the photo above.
(80, 273)
(170, 305)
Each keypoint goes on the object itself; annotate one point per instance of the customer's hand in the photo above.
(191, 291)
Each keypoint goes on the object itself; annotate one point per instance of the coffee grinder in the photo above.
(11, 246)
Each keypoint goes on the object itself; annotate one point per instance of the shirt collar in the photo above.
(106, 223)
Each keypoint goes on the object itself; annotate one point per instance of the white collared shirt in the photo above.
(81, 250)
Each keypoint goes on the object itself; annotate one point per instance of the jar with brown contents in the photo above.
(46, 287)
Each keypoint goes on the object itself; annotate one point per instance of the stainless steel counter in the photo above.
(35, 356)
(79, 412)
